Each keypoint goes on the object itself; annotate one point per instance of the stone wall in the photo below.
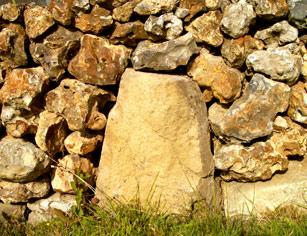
(162, 64)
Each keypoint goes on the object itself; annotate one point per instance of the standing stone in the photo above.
(193, 6)
(298, 13)
(151, 7)
(298, 103)
(61, 11)
(124, 12)
(160, 128)
(268, 9)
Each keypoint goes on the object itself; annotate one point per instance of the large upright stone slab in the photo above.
(156, 144)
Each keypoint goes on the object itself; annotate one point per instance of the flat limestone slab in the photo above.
(156, 144)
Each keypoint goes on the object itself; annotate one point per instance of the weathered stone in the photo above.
(56, 205)
(55, 51)
(164, 56)
(124, 12)
(23, 192)
(172, 158)
(181, 13)
(110, 3)
(95, 21)
(206, 28)
(252, 115)
(278, 34)
(211, 71)
(213, 4)
(298, 103)
(304, 66)
(12, 212)
(194, 7)
(155, 25)
(268, 9)
(79, 104)
(298, 13)
(82, 143)
(81, 5)
(67, 169)
(61, 11)
(235, 51)
(9, 12)
(287, 189)
(98, 62)
(37, 20)
(237, 18)
(151, 7)
(208, 95)
(278, 63)
(51, 132)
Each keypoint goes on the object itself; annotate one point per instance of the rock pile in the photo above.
(162, 63)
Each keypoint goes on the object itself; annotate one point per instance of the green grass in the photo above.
(131, 221)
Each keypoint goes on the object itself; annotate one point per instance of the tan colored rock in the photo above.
(125, 11)
(298, 103)
(268, 9)
(98, 62)
(61, 11)
(51, 132)
(213, 4)
(194, 7)
(12, 212)
(23, 192)
(206, 28)
(10, 12)
(151, 7)
(79, 104)
(37, 20)
(82, 143)
(208, 95)
(81, 5)
(211, 71)
(162, 145)
(67, 168)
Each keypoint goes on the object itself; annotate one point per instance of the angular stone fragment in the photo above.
(151, 7)
(162, 145)
(268, 9)
(51, 132)
(67, 168)
(124, 12)
(10, 12)
(298, 103)
(81, 5)
(252, 115)
(213, 4)
(181, 13)
(95, 21)
(237, 18)
(194, 7)
(55, 51)
(79, 104)
(164, 56)
(56, 205)
(37, 20)
(12, 212)
(206, 28)
(23, 192)
(211, 71)
(98, 62)
(278, 34)
(279, 64)
(298, 13)
(235, 51)
(61, 11)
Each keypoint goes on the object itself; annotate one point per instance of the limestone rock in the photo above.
(56, 205)
(98, 62)
(213, 4)
(194, 7)
(235, 51)
(268, 9)
(151, 7)
(237, 18)
(206, 28)
(211, 71)
(298, 103)
(252, 115)
(51, 132)
(95, 21)
(124, 12)
(278, 34)
(298, 13)
(164, 56)
(55, 51)
(279, 64)
(12, 212)
(172, 158)
(81, 5)
(23, 192)
(9, 12)
(61, 11)
(37, 20)
(181, 13)
(67, 168)
(79, 104)
(287, 189)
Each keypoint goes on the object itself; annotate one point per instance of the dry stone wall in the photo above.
(210, 104)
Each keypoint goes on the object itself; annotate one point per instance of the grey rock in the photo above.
(151, 7)
(298, 13)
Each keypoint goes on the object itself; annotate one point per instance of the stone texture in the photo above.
(98, 62)
(23, 192)
(279, 64)
(298, 103)
(237, 18)
(37, 20)
(61, 11)
(158, 152)
(194, 7)
(51, 132)
(151, 7)
(164, 56)
(298, 13)
(67, 168)
(213, 4)
(206, 28)
(304, 66)
(54, 52)
(79, 104)
(235, 51)
(10, 12)
(211, 71)
(95, 21)
(278, 34)
(287, 189)
(83, 143)
(81, 5)
(252, 115)
(181, 13)
(268, 9)
(124, 12)
(12, 212)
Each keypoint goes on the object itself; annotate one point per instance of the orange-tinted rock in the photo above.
(298, 103)
(194, 7)
(61, 11)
